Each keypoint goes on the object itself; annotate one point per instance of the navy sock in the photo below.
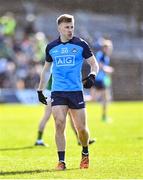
(85, 151)
(40, 134)
(61, 155)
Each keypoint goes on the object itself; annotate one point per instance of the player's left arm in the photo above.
(89, 81)
(93, 65)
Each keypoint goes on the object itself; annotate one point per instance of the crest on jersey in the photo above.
(74, 50)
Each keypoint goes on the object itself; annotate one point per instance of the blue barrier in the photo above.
(26, 96)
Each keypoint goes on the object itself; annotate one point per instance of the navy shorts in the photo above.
(99, 85)
(73, 99)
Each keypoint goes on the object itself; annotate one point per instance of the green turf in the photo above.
(117, 154)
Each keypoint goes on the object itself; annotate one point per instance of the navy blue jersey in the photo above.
(67, 59)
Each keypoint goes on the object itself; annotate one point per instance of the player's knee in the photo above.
(60, 126)
(81, 126)
(82, 130)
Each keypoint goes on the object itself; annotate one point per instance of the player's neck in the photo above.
(64, 39)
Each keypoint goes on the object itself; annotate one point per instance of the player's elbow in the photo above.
(97, 67)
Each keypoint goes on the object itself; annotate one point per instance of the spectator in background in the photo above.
(20, 57)
(101, 90)
(32, 78)
(8, 24)
(7, 63)
(29, 27)
(40, 42)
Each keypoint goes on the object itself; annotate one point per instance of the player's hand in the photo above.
(89, 81)
(41, 97)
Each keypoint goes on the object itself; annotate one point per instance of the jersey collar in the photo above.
(59, 40)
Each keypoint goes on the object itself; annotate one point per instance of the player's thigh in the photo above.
(104, 94)
(60, 112)
(79, 117)
(100, 94)
(48, 109)
(93, 93)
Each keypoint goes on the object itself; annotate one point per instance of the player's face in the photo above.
(107, 50)
(66, 30)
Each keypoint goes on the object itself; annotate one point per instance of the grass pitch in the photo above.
(117, 154)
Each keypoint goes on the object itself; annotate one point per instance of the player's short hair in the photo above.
(107, 43)
(67, 18)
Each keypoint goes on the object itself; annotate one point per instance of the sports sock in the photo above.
(40, 134)
(61, 155)
(104, 117)
(85, 151)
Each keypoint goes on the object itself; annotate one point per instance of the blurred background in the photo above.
(27, 26)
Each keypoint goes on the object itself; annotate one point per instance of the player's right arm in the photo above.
(43, 78)
(42, 83)
(108, 69)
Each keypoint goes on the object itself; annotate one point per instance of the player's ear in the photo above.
(59, 28)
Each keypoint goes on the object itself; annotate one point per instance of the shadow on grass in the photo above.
(32, 171)
(140, 138)
(16, 148)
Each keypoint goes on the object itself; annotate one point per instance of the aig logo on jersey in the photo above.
(68, 60)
